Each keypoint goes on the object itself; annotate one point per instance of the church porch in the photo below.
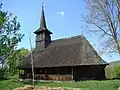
(69, 73)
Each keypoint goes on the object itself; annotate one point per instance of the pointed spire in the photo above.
(43, 26)
(43, 22)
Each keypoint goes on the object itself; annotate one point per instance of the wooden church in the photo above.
(63, 59)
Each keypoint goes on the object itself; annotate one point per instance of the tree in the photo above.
(116, 71)
(23, 52)
(9, 38)
(16, 59)
(118, 6)
(104, 20)
(2, 18)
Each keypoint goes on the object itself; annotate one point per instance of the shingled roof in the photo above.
(71, 51)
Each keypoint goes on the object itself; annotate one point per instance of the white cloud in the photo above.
(61, 13)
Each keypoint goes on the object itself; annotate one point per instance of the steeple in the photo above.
(43, 38)
(43, 22)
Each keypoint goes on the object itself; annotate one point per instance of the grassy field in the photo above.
(87, 85)
(13, 82)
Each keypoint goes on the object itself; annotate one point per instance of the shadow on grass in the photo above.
(2, 79)
(99, 80)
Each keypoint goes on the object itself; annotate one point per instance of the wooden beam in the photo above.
(58, 73)
(94, 72)
(72, 72)
(45, 73)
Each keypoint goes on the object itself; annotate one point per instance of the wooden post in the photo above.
(32, 61)
(32, 67)
(45, 73)
(93, 72)
(58, 72)
(72, 72)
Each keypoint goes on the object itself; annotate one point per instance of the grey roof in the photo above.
(71, 51)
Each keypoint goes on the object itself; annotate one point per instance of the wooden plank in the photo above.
(58, 73)
(72, 72)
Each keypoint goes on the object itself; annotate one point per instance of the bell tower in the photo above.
(43, 38)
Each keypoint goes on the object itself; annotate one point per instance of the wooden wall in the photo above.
(96, 72)
(54, 77)
(56, 73)
(83, 73)
(76, 73)
(54, 70)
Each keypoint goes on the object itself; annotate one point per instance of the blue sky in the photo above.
(63, 19)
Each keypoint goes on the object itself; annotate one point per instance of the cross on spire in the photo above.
(42, 4)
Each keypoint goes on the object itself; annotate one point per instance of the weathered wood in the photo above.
(58, 73)
(54, 77)
(68, 73)
(72, 72)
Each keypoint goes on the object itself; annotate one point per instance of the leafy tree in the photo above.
(109, 71)
(23, 52)
(3, 73)
(9, 39)
(2, 17)
(116, 71)
(16, 59)
(103, 19)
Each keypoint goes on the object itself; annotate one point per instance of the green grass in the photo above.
(13, 82)
(87, 85)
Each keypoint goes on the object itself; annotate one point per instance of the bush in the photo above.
(3, 74)
(108, 71)
(113, 71)
(116, 72)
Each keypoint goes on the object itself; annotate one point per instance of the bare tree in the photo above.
(104, 20)
(118, 7)
(32, 61)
